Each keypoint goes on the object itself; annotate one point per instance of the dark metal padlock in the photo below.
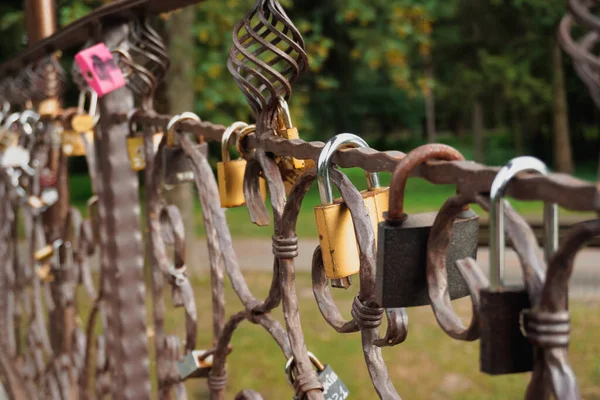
(503, 347)
(401, 279)
(333, 387)
(177, 167)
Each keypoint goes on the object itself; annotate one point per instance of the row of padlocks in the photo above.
(48, 350)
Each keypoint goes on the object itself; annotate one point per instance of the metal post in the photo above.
(122, 258)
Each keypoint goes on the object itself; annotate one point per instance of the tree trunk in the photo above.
(180, 95)
(477, 116)
(563, 159)
(429, 100)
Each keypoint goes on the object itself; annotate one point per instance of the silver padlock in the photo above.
(193, 365)
(17, 157)
(333, 387)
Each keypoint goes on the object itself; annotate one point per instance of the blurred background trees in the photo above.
(486, 76)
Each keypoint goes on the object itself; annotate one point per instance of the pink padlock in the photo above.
(99, 69)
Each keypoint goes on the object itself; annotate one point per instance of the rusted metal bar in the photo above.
(569, 192)
(122, 248)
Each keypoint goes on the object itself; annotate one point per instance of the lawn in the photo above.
(429, 365)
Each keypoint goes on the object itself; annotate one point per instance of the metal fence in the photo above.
(48, 351)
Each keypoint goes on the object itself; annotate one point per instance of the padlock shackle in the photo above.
(404, 168)
(176, 120)
(289, 365)
(284, 116)
(231, 129)
(496, 225)
(93, 109)
(331, 147)
(11, 119)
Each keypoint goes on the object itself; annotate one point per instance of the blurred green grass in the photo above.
(428, 365)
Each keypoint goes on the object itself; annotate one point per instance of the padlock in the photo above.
(503, 347)
(50, 254)
(85, 120)
(177, 168)
(230, 173)
(333, 387)
(72, 142)
(17, 157)
(194, 365)
(135, 150)
(287, 130)
(334, 222)
(401, 278)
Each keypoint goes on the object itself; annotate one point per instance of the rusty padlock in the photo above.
(194, 365)
(401, 279)
(503, 347)
(334, 222)
(230, 173)
(177, 168)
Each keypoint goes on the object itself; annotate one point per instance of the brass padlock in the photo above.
(47, 259)
(72, 142)
(135, 150)
(287, 130)
(135, 144)
(176, 166)
(334, 222)
(503, 347)
(194, 365)
(86, 120)
(230, 173)
(401, 277)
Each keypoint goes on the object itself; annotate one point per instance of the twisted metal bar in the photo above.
(267, 55)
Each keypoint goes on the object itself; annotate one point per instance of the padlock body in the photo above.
(333, 387)
(135, 151)
(230, 176)
(503, 347)
(177, 167)
(72, 143)
(401, 278)
(336, 232)
(83, 123)
(191, 366)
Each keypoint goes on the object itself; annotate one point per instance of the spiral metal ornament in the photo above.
(48, 79)
(267, 55)
(581, 50)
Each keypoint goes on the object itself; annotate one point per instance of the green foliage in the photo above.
(367, 61)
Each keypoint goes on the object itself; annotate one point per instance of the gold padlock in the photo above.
(230, 173)
(72, 142)
(85, 120)
(135, 150)
(334, 222)
(287, 130)
(44, 273)
(44, 254)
